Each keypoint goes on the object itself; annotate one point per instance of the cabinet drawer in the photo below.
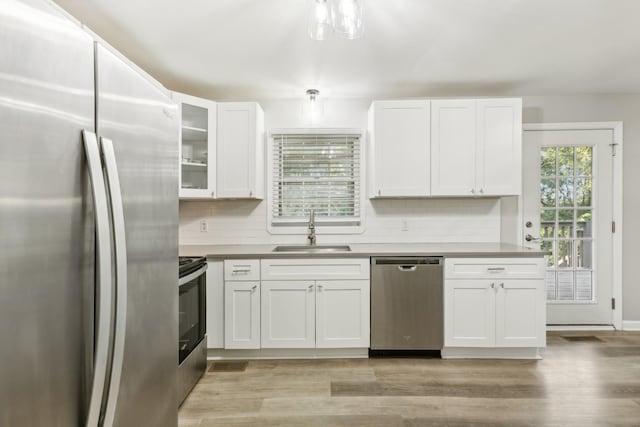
(315, 269)
(242, 269)
(504, 268)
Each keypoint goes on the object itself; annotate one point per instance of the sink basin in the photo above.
(312, 249)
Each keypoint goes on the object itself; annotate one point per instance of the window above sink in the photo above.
(315, 169)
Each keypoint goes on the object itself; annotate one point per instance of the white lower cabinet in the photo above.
(469, 314)
(342, 313)
(242, 315)
(315, 314)
(288, 314)
(494, 310)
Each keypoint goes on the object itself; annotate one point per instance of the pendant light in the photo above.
(341, 17)
(347, 18)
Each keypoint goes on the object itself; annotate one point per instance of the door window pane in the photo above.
(564, 257)
(547, 223)
(584, 253)
(565, 192)
(584, 285)
(584, 226)
(583, 192)
(565, 161)
(550, 280)
(548, 161)
(565, 285)
(584, 161)
(548, 192)
(547, 245)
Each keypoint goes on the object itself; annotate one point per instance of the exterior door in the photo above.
(567, 204)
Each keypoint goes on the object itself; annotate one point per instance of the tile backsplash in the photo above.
(397, 220)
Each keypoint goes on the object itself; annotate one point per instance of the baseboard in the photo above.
(581, 327)
(288, 353)
(491, 353)
(631, 325)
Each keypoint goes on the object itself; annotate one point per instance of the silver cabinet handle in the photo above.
(481, 191)
(120, 245)
(473, 191)
(310, 287)
(379, 193)
(213, 194)
(250, 193)
(493, 285)
(244, 271)
(495, 269)
(502, 285)
(319, 287)
(103, 276)
(254, 288)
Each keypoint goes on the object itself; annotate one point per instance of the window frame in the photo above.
(324, 226)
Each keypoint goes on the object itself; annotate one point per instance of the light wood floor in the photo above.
(583, 383)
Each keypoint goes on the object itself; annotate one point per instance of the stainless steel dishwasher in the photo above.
(407, 303)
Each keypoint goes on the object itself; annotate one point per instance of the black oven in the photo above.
(192, 315)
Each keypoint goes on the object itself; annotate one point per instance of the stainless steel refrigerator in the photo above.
(88, 230)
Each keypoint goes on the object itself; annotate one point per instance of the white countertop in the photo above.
(366, 250)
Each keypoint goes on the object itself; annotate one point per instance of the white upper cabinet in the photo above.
(499, 165)
(240, 150)
(197, 147)
(476, 147)
(453, 147)
(399, 133)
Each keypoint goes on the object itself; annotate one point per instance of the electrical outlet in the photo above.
(204, 226)
(405, 225)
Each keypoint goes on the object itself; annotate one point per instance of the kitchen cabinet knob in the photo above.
(319, 287)
(379, 193)
(493, 285)
(310, 287)
(502, 285)
(481, 191)
(213, 194)
(250, 193)
(254, 288)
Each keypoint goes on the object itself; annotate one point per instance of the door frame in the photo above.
(616, 243)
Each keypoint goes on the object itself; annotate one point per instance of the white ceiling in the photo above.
(259, 49)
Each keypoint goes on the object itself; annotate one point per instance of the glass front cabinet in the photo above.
(197, 147)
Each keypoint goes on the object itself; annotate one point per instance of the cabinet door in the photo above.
(453, 148)
(242, 315)
(342, 313)
(469, 307)
(400, 132)
(197, 147)
(240, 166)
(520, 313)
(288, 314)
(499, 165)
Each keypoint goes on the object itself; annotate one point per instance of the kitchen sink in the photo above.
(312, 248)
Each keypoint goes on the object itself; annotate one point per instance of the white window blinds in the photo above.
(319, 172)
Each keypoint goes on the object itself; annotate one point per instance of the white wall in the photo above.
(443, 220)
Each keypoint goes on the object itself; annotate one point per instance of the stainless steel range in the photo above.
(192, 343)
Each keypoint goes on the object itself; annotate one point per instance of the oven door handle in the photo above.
(190, 277)
(120, 245)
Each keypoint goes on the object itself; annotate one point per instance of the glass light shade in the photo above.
(320, 20)
(347, 18)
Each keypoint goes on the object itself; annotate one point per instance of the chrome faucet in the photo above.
(311, 236)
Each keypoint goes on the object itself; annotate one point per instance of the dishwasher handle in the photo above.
(406, 268)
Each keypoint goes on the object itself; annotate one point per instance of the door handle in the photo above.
(103, 277)
(120, 244)
(530, 238)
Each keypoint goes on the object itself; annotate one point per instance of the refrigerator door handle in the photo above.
(103, 277)
(120, 244)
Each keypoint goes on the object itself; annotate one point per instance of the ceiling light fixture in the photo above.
(314, 109)
(341, 17)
